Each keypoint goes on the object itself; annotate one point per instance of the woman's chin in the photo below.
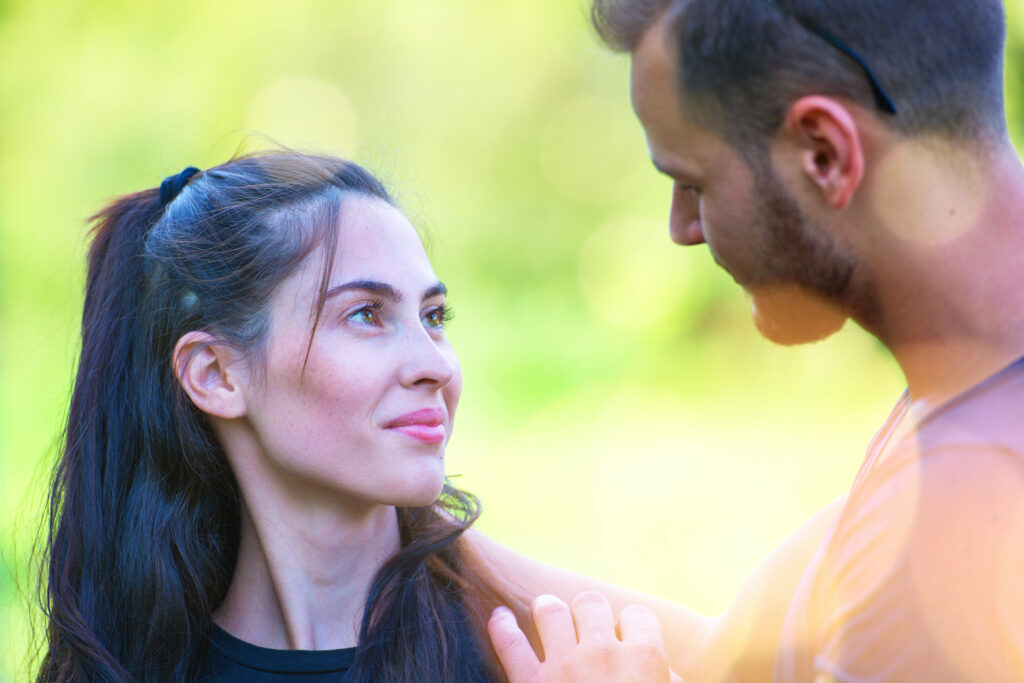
(419, 491)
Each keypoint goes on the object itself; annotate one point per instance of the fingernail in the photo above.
(545, 600)
(502, 612)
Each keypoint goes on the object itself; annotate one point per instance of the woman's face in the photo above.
(367, 415)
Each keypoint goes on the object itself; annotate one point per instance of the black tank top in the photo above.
(230, 660)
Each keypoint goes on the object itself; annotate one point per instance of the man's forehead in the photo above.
(652, 66)
(655, 95)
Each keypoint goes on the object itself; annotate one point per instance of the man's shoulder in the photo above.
(919, 578)
(921, 575)
(978, 435)
(957, 495)
(988, 414)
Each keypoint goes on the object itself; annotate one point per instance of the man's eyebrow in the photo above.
(664, 170)
(382, 288)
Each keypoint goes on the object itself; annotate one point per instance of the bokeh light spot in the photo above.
(1009, 594)
(591, 149)
(305, 113)
(926, 202)
(630, 273)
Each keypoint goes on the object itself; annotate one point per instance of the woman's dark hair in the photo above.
(144, 512)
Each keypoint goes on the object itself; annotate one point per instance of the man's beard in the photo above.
(802, 293)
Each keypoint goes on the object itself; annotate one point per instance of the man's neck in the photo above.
(949, 302)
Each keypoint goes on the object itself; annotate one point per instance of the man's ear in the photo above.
(832, 155)
(207, 371)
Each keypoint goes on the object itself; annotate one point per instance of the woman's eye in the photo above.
(365, 315)
(437, 317)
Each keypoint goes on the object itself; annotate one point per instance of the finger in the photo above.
(595, 622)
(639, 625)
(673, 677)
(554, 626)
(514, 651)
(641, 633)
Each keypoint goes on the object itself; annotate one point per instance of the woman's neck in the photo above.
(304, 570)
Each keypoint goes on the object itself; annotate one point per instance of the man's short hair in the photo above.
(743, 62)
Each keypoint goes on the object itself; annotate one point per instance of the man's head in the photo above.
(718, 83)
(741, 63)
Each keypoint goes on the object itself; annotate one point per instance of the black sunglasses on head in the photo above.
(882, 98)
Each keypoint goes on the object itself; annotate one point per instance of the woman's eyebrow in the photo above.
(382, 288)
(435, 290)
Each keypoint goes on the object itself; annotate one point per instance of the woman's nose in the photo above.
(426, 362)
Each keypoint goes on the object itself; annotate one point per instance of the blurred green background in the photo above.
(620, 417)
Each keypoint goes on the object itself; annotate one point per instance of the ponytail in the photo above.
(132, 572)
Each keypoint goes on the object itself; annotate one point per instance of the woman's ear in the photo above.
(207, 371)
(832, 155)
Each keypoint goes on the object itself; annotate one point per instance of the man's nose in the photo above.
(684, 224)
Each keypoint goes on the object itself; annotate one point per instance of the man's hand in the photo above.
(587, 651)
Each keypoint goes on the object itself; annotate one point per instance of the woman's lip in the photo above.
(426, 425)
(423, 432)
(427, 417)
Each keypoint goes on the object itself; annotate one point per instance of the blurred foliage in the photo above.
(620, 417)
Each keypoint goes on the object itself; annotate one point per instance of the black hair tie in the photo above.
(172, 185)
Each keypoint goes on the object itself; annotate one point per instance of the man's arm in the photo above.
(743, 644)
(683, 629)
(740, 644)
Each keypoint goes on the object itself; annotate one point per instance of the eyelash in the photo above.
(691, 189)
(445, 311)
(446, 314)
(372, 306)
